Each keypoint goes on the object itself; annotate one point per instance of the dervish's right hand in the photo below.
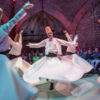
(28, 44)
(64, 31)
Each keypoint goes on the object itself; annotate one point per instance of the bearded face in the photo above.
(50, 36)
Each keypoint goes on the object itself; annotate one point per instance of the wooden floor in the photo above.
(63, 91)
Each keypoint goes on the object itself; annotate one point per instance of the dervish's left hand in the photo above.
(28, 5)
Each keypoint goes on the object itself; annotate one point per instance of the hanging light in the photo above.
(14, 1)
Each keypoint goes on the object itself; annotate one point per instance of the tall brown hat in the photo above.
(48, 30)
(1, 12)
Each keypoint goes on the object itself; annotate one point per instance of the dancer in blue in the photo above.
(8, 90)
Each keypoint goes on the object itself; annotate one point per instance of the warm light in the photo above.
(14, 1)
(99, 21)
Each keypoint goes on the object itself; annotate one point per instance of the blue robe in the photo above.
(10, 82)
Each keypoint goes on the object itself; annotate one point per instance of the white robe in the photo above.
(18, 62)
(52, 67)
(78, 61)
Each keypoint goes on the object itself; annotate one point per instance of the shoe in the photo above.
(51, 86)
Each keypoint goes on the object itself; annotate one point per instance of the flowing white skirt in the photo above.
(81, 63)
(19, 63)
(65, 70)
(24, 91)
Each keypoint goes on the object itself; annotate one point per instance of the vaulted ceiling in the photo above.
(58, 14)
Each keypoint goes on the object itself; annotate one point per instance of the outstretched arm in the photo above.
(20, 36)
(6, 28)
(67, 35)
(12, 43)
(37, 45)
(65, 43)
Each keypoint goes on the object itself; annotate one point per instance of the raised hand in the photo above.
(64, 31)
(28, 5)
(28, 44)
(21, 31)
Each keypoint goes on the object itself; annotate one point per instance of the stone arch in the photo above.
(55, 13)
(71, 27)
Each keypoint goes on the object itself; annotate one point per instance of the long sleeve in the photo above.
(6, 28)
(68, 37)
(64, 43)
(71, 48)
(20, 38)
(37, 45)
(16, 47)
(12, 43)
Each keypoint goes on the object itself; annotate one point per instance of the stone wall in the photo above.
(88, 29)
(77, 16)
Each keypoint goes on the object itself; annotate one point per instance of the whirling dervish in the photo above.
(18, 63)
